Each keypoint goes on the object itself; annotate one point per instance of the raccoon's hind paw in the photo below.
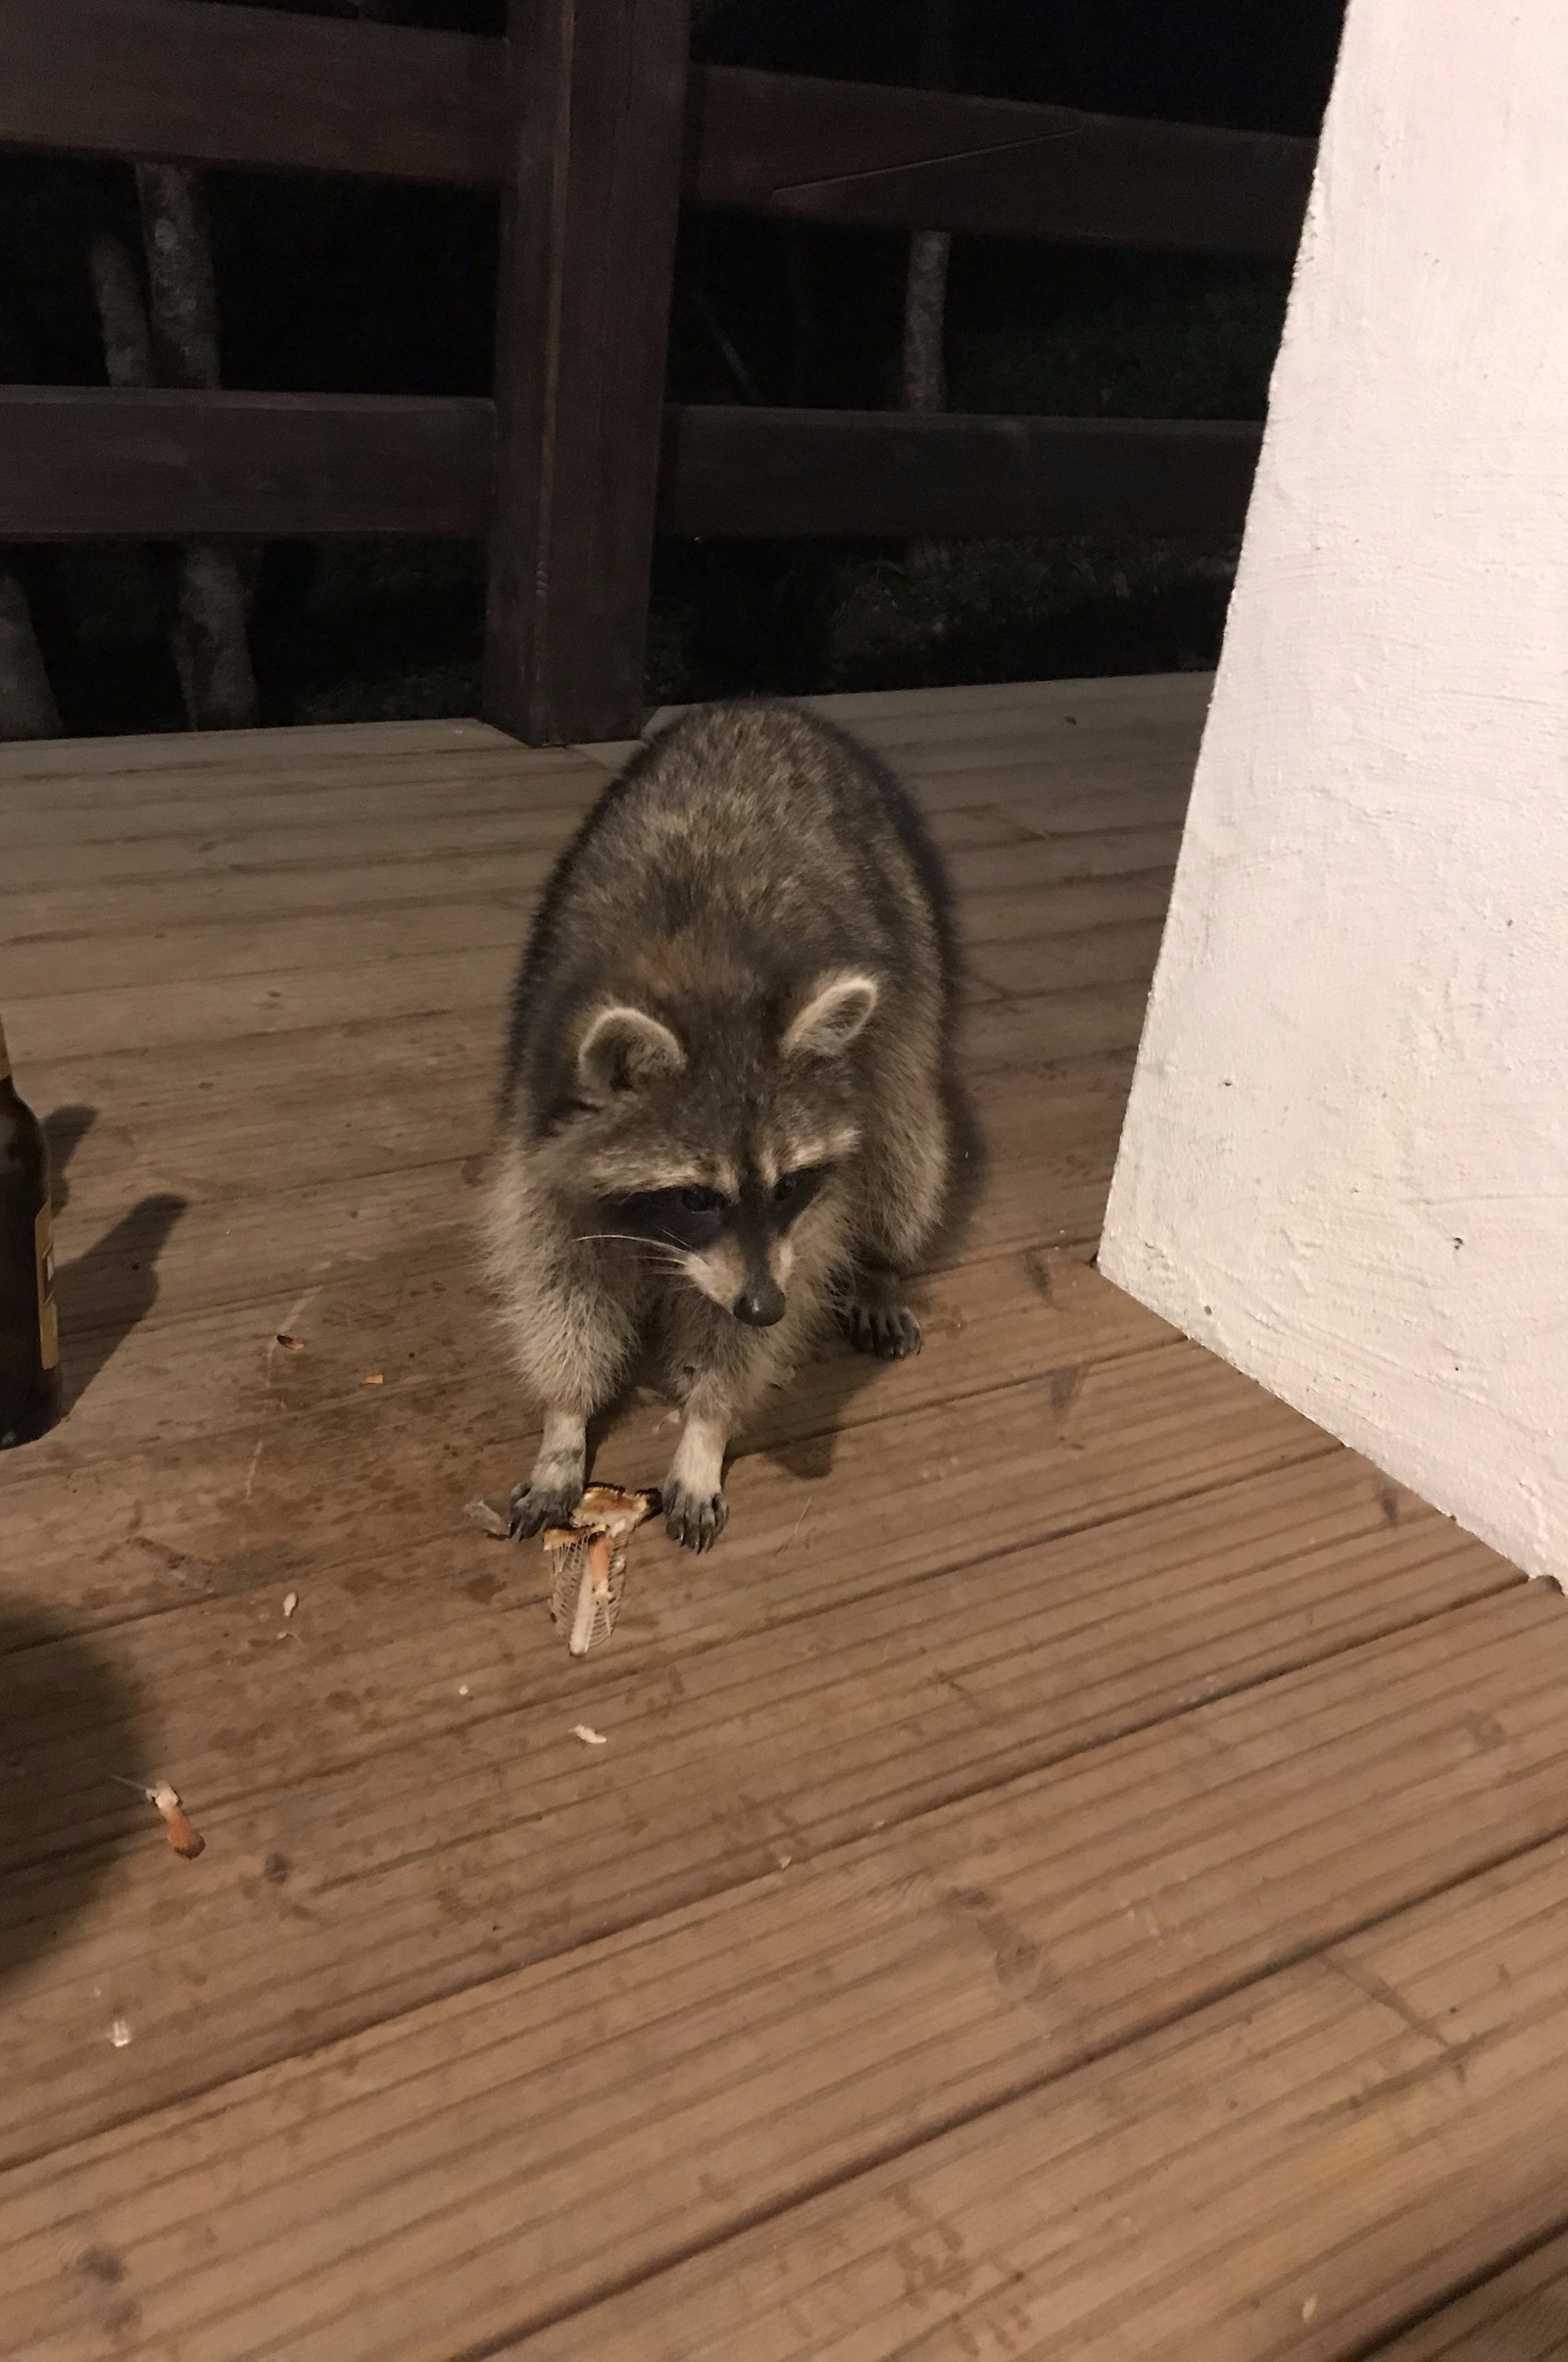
(890, 1331)
(533, 1507)
(695, 1520)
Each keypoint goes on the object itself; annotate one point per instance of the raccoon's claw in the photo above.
(533, 1507)
(889, 1331)
(695, 1520)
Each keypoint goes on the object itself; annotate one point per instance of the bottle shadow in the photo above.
(68, 1719)
(65, 1131)
(102, 1294)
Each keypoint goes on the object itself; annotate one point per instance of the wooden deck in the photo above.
(1079, 1873)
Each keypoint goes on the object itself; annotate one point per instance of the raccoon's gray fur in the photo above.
(723, 1112)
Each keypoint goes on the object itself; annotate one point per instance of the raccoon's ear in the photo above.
(836, 1015)
(623, 1049)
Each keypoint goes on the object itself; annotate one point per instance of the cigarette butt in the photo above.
(186, 1841)
(372, 1378)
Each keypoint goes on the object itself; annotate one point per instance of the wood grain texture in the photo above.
(256, 86)
(852, 152)
(79, 462)
(588, 254)
(88, 462)
(1363, 2129)
(741, 472)
(276, 91)
(940, 1997)
(1519, 2314)
(1078, 1873)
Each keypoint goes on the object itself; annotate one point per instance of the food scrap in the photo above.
(590, 1563)
(488, 1520)
(186, 1841)
(589, 1737)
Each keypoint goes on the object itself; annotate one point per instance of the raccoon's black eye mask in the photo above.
(694, 1217)
(794, 1193)
(678, 1217)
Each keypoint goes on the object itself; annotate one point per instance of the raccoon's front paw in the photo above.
(695, 1520)
(533, 1507)
(890, 1331)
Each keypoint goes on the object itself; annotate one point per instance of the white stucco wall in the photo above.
(1346, 1161)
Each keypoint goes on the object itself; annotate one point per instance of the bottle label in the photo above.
(48, 1317)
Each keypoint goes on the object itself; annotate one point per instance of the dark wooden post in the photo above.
(588, 248)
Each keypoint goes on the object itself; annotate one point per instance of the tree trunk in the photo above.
(211, 651)
(179, 276)
(925, 307)
(122, 314)
(925, 287)
(26, 700)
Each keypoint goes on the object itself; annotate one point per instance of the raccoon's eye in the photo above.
(794, 1189)
(689, 1217)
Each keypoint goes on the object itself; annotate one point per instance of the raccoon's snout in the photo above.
(759, 1303)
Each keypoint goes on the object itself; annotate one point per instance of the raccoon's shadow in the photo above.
(800, 1434)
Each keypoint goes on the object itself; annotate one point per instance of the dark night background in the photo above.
(361, 286)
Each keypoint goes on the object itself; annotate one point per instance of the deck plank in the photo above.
(227, 1010)
(509, 2152)
(1074, 1875)
(1281, 2175)
(85, 766)
(260, 1505)
(1519, 2314)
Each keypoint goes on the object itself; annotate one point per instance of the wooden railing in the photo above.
(594, 128)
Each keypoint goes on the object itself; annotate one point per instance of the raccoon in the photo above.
(724, 1111)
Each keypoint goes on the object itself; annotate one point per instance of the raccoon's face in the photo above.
(734, 1244)
(711, 1154)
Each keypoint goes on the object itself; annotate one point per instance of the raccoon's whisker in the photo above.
(625, 1238)
(656, 1251)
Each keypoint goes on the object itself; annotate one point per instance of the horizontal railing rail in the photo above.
(188, 81)
(594, 126)
(82, 463)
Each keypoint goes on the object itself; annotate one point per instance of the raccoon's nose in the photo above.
(759, 1305)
